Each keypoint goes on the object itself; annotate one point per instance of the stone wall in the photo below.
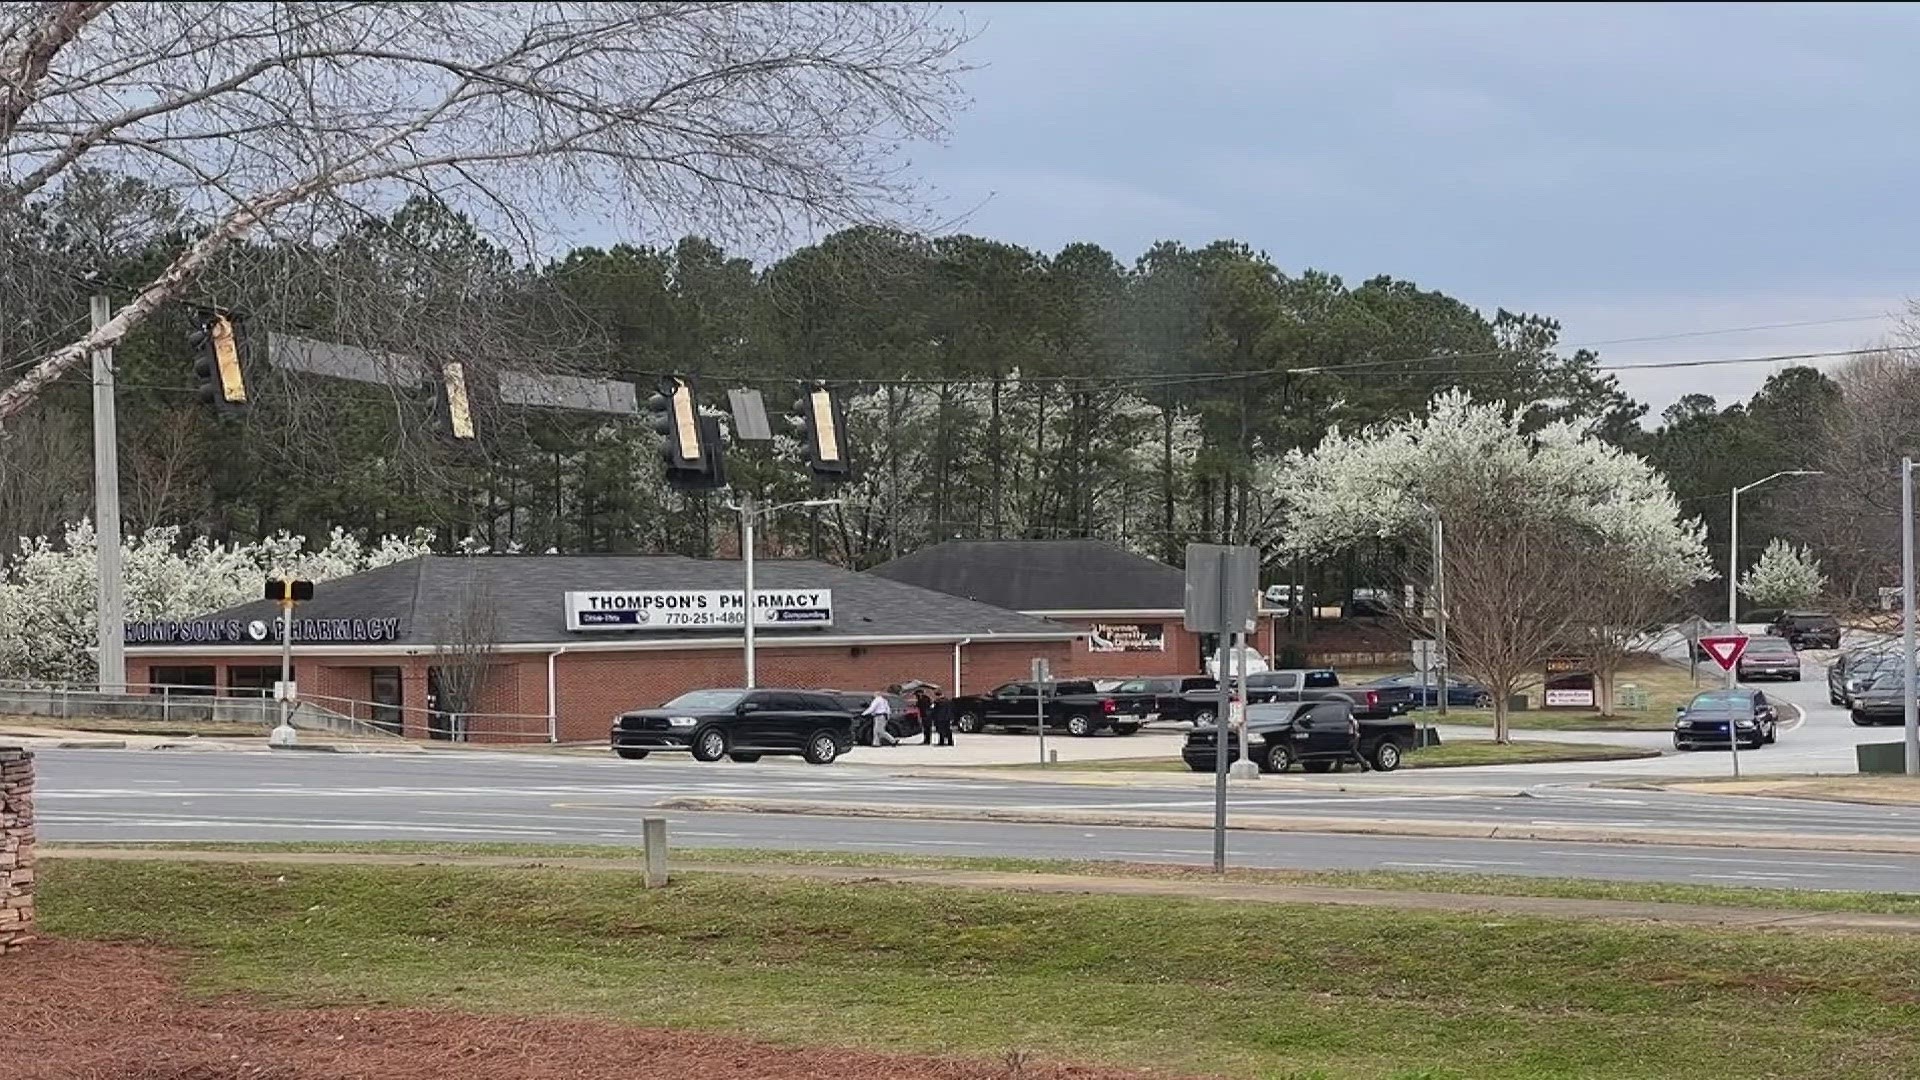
(16, 848)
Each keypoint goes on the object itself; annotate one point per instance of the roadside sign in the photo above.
(1725, 649)
(1426, 655)
(1222, 588)
(1040, 672)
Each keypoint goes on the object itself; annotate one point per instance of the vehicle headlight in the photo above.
(682, 721)
(1683, 723)
(1746, 723)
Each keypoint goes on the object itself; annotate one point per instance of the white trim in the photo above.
(629, 645)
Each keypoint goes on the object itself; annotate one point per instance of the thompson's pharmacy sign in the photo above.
(698, 609)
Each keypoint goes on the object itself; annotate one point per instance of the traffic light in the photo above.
(691, 444)
(453, 406)
(820, 423)
(216, 363)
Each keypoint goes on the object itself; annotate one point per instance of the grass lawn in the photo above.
(1185, 986)
(1470, 752)
(1667, 687)
(1887, 903)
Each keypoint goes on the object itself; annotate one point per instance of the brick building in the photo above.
(1128, 607)
(538, 646)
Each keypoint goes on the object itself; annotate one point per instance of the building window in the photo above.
(182, 680)
(384, 691)
(251, 681)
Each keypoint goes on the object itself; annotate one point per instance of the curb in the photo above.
(1471, 830)
(1266, 782)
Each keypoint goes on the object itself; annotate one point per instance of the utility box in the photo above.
(1631, 698)
(1517, 703)
(1425, 737)
(1881, 757)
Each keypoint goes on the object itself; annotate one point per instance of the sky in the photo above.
(1635, 171)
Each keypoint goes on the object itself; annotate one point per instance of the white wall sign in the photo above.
(698, 609)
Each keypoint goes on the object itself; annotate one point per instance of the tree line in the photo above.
(994, 390)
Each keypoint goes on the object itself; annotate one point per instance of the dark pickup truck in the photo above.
(1171, 697)
(1074, 705)
(1306, 684)
(1320, 736)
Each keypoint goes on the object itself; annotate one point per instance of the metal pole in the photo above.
(283, 735)
(112, 612)
(1437, 662)
(1040, 710)
(747, 511)
(1220, 729)
(1733, 569)
(1906, 616)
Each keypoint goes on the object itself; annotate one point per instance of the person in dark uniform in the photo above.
(925, 704)
(943, 717)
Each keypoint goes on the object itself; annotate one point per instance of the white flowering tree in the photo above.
(1785, 577)
(49, 591)
(1538, 524)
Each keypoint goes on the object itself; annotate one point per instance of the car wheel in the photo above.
(744, 757)
(630, 753)
(1680, 746)
(968, 723)
(1483, 701)
(1795, 676)
(1860, 719)
(710, 745)
(822, 748)
(1199, 768)
(1316, 766)
(1773, 734)
(1203, 718)
(1277, 759)
(1125, 729)
(1386, 756)
(1079, 726)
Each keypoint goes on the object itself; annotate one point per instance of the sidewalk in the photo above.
(36, 737)
(1216, 890)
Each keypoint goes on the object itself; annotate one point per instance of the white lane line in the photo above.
(1756, 862)
(1748, 877)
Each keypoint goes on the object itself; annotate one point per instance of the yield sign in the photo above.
(1725, 649)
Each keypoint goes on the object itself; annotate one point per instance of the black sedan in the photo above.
(738, 724)
(1704, 722)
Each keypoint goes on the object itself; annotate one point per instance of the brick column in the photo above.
(16, 848)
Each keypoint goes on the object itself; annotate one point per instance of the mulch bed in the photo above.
(85, 1011)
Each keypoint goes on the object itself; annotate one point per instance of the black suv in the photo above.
(740, 724)
(1807, 629)
(1168, 696)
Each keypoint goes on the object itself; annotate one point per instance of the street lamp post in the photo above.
(750, 514)
(1733, 547)
(1907, 705)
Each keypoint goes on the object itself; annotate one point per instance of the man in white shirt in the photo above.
(881, 710)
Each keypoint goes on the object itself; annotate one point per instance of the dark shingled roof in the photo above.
(528, 592)
(1043, 575)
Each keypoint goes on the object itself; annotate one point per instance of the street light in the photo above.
(1733, 547)
(750, 515)
(1907, 709)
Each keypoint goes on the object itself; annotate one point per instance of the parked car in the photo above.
(1706, 720)
(1369, 604)
(1853, 672)
(1321, 736)
(1165, 697)
(1883, 701)
(1323, 684)
(903, 722)
(1768, 658)
(1074, 705)
(1425, 692)
(1807, 629)
(739, 724)
(1283, 599)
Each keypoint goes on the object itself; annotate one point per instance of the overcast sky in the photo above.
(1634, 171)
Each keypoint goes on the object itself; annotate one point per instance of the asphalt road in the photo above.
(102, 795)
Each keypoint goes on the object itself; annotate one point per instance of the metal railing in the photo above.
(186, 703)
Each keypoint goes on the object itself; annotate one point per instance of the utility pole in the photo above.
(1908, 711)
(112, 610)
(1440, 608)
(747, 513)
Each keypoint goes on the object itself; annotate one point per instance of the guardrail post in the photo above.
(654, 835)
(166, 704)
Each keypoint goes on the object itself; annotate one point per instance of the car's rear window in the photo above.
(1074, 688)
(1769, 647)
(1320, 680)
